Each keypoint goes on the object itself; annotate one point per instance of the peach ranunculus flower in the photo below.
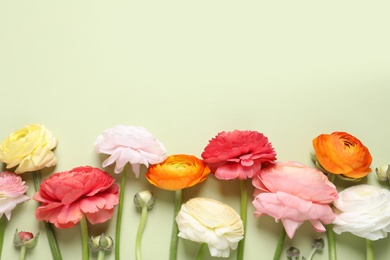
(238, 154)
(363, 210)
(66, 196)
(129, 144)
(343, 154)
(12, 192)
(29, 148)
(212, 222)
(177, 172)
(292, 192)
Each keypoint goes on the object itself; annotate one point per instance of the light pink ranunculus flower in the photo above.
(12, 192)
(292, 192)
(130, 144)
(67, 196)
(238, 154)
(363, 210)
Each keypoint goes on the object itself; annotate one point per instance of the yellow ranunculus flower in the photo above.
(29, 148)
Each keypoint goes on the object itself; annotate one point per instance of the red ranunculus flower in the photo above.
(238, 154)
(67, 196)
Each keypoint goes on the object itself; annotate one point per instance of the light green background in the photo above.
(187, 70)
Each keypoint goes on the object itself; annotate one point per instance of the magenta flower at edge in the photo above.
(292, 192)
(12, 190)
(238, 154)
(129, 144)
(67, 196)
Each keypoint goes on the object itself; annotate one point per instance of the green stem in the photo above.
(331, 242)
(202, 251)
(331, 177)
(101, 254)
(312, 252)
(243, 214)
(84, 238)
(175, 229)
(279, 247)
(140, 232)
(54, 247)
(369, 250)
(2, 231)
(119, 216)
(22, 253)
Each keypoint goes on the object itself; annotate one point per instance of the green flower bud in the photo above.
(144, 198)
(318, 244)
(26, 239)
(293, 252)
(101, 242)
(383, 172)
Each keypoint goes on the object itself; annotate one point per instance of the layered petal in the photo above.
(129, 144)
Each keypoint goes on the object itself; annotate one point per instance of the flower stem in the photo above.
(331, 242)
(54, 247)
(369, 250)
(175, 229)
(243, 214)
(84, 238)
(22, 252)
(119, 216)
(279, 247)
(202, 251)
(101, 255)
(2, 231)
(140, 232)
(312, 252)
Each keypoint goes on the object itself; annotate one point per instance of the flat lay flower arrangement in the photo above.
(287, 191)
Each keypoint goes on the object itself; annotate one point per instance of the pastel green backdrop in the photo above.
(187, 70)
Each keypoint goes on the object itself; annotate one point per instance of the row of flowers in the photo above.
(288, 191)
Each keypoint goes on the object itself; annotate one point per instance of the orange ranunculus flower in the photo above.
(178, 172)
(342, 153)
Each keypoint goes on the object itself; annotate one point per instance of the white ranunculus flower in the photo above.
(212, 222)
(364, 211)
(129, 144)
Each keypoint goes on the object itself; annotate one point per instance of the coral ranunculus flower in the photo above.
(67, 196)
(29, 148)
(178, 172)
(12, 190)
(292, 192)
(342, 153)
(238, 154)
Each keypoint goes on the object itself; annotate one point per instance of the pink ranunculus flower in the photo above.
(292, 192)
(238, 154)
(129, 144)
(67, 196)
(12, 192)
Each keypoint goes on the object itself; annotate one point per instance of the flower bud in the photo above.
(26, 239)
(144, 198)
(383, 172)
(318, 244)
(293, 252)
(101, 242)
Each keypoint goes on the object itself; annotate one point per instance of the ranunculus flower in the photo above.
(29, 148)
(292, 192)
(129, 144)
(342, 153)
(212, 222)
(66, 196)
(238, 154)
(363, 210)
(12, 190)
(177, 172)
